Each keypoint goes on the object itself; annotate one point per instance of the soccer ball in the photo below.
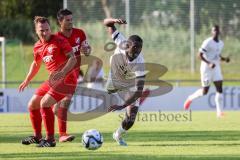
(92, 139)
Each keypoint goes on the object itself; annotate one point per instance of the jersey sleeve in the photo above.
(83, 36)
(36, 55)
(118, 37)
(204, 47)
(84, 40)
(140, 67)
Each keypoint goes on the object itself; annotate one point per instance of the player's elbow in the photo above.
(107, 22)
(199, 56)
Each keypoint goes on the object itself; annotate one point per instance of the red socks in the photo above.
(36, 119)
(48, 119)
(62, 120)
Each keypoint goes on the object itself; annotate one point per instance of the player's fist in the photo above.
(120, 21)
(227, 59)
(85, 48)
(211, 65)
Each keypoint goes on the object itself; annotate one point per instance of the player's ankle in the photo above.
(62, 134)
(50, 138)
(38, 136)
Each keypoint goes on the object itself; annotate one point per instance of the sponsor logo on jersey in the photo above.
(75, 48)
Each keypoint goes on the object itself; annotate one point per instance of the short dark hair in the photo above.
(135, 38)
(40, 19)
(63, 12)
(216, 27)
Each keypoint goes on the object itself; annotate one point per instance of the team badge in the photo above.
(77, 40)
(50, 49)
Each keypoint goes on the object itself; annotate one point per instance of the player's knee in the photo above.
(219, 90)
(130, 118)
(55, 109)
(44, 103)
(33, 104)
(127, 123)
(205, 91)
(65, 103)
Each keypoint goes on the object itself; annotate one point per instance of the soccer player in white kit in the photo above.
(210, 55)
(127, 71)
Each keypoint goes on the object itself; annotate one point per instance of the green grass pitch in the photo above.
(202, 137)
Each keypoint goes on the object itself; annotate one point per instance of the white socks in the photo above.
(196, 94)
(120, 131)
(218, 99)
(219, 102)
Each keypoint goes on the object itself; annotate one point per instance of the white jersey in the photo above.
(211, 50)
(123, 72)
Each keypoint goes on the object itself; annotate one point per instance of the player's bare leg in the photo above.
(200, 92)
(219, 98)
(61, 109)
(127, 123)
(36, 120)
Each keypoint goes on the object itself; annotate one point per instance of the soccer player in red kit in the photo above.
(77, 38)
(57, 54)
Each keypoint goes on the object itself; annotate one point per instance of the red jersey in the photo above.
(52, 53)
(77, 37)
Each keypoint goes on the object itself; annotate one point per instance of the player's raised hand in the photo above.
(23, 85)
(227, 59)
(120, 21)
(85, 48)
(115, 107)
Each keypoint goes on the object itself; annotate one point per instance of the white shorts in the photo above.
(209, 75)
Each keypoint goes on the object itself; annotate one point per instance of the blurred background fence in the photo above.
(172, 30)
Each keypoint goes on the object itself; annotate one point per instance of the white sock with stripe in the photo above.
(120, 131)
(196, 94)
(219, 102)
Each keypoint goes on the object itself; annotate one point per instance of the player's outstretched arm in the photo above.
(140, 85)
(109, 22)
(34, 68)
(226, 59)
(65, 70)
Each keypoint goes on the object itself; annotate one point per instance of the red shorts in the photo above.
(58, 90)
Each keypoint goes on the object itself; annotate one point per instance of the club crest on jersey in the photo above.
(48, 58)
(77, 40)
(50, 49)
